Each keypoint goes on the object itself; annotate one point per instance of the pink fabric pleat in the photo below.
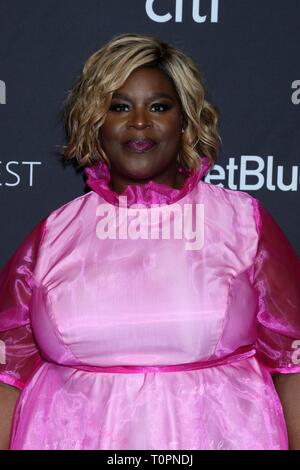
(98, 177)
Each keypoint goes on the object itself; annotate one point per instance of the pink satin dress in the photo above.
(139, 341)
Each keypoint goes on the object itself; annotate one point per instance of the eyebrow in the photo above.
(155, 96)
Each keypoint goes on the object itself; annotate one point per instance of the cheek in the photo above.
(172, 128)
(109, 130)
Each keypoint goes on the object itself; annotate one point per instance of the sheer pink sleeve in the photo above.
(276, 277)
(19, 355)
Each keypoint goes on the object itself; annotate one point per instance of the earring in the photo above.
(182, 130)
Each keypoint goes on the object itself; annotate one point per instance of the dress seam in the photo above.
(32, 280)
(56, 329)
(246, 270)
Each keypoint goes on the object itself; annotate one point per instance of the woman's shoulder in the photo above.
(73, 212)
(220, 195)
(74, 205)
(234, 211)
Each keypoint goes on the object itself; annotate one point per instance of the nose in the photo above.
(140, 119)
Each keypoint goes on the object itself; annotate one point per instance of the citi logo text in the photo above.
(156, 11)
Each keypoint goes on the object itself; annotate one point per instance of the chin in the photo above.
(140, 176)
(137, 172)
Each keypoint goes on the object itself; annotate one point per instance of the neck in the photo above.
(171, 177)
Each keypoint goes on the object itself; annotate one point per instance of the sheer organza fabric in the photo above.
(143, 344)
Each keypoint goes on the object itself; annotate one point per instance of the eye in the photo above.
(123, 107)
(161, 107)
(118, 107)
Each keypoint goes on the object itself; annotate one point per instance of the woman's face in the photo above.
(141, 135)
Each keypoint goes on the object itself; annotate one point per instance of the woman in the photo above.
(125, 328)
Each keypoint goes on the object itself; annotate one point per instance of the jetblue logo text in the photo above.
(252, 172)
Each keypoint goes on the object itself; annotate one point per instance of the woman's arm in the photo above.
(288, 389)
(8, 398)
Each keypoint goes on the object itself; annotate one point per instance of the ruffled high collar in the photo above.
(98, 177)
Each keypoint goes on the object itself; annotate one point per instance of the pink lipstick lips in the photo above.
(140, 145)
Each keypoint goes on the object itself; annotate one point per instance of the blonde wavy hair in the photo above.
(106, 70)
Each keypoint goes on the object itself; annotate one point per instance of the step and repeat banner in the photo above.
(247, 50)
